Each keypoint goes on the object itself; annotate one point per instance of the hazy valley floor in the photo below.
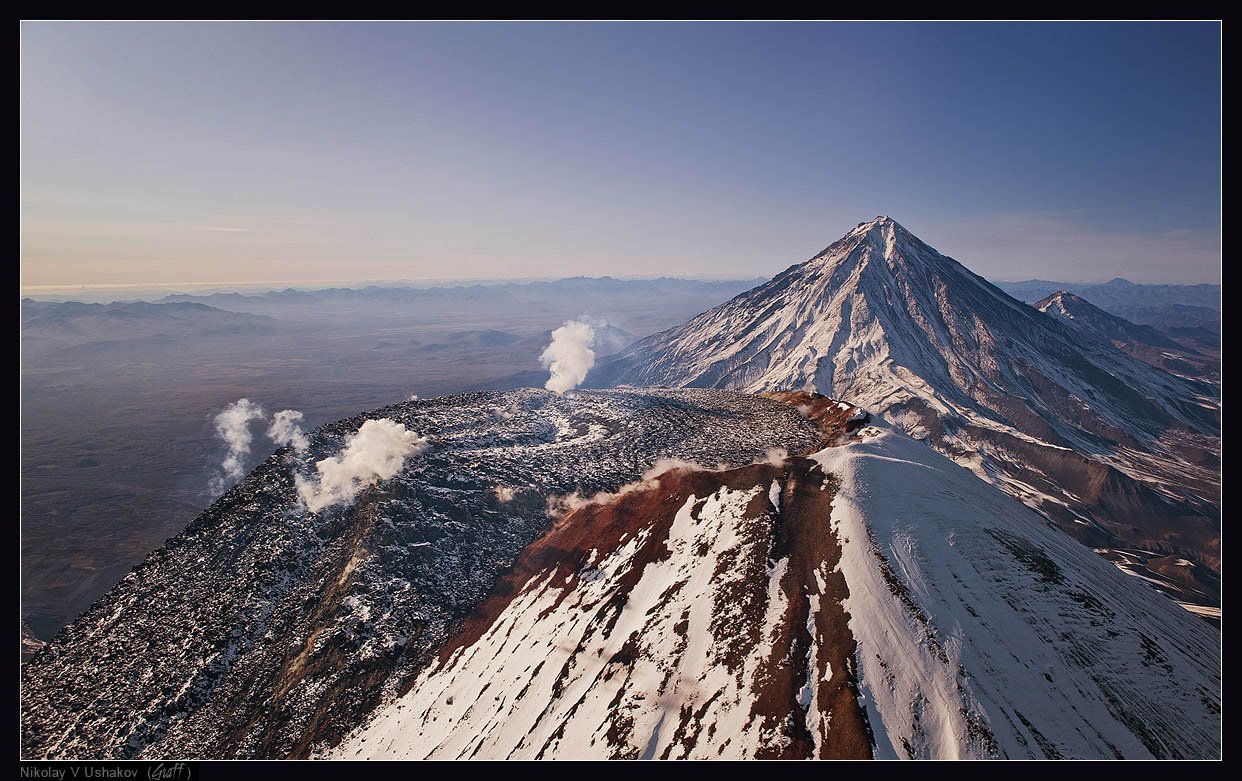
(117, 442)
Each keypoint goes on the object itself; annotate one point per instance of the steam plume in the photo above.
(569, 357)
(559, 505)
(233, 426)
(286, 429)
(376, 452)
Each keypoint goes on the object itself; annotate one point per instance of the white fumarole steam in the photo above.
(286, 429)
(559, 505)
(569, 357)
(376, 452)
(233, 426)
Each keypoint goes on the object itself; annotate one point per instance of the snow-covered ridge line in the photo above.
(983, 632)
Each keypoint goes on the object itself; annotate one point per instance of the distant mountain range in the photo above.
(73, 321)
(1190, 314)
(598, 296)
(1119, 293)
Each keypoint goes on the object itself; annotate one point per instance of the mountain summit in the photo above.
(1119, 453)
(1143, 342)
(1082, 313)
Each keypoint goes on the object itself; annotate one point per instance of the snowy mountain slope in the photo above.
(1138, 341)
(983, 631)
(873, 598)
(1115, 451)
(617, 652)
(264, 629)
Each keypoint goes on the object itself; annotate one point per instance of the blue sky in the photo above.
(295, 153)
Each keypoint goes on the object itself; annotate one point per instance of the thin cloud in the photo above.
(223, 229)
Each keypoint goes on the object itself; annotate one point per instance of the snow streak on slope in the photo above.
(711, 628)
(508, 686)
(1117, 452)
(982, 631)
(696, 615)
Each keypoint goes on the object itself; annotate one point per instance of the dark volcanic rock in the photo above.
(264, 630)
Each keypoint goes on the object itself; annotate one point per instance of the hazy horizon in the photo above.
(241, 153)
(244, 288)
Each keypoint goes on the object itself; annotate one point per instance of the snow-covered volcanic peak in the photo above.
(1067, 306)
(1083, 314)
(1143, 342)
(1101, 442)
(871, 599)
(264, 629)
(883, 319)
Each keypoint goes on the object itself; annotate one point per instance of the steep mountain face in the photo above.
(870, 598)
(264, 629)
(1118, 453)
(1138, 341)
